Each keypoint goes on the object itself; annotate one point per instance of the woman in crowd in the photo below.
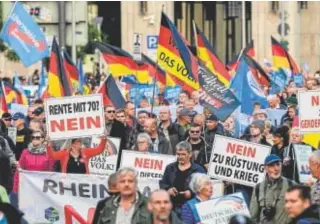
(267, 132)
(144, 143)
(34, 158)
(201, 185)
(75, 159)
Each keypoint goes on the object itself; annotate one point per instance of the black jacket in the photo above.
(164, 145)
(209, 135)
(174, 219)
(118, 130)
(313, 212)
(176, 134)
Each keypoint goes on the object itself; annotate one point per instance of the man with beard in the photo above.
(160, 207)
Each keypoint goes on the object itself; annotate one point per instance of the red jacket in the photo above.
(86, 154)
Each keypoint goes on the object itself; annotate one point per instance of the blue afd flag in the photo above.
(24, 36)
(247, 89)
(278, 81)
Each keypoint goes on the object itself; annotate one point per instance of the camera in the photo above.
(269, 212)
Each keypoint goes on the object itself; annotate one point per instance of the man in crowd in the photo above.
(121, 116)
(298, 206)
(23, 134)
(113, 191)
(213, 127)
(177, 175)
(199, 119)
(184, 118)
(130, 111)
(114, 128)
(160, 143)
(183, 97)
(314, 165)
(274, 102)
(173, 131)
(160, 207)
(39, 114)
(6, 118)
(289, 116)
(130, 206)
(189, 104)
(195, 96)
(255, 135)
(197, 142)
(267, 202)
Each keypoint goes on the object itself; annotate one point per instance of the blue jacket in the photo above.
(189, 212)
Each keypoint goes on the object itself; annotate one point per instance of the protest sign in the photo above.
(220, 210)
(309, 111)
(238, 161)
(106, 162)
(142, 91)
(15, 108)
(275, 115)
(12, 133)
(302, 153)
(218, 188)
(74, 117)
(172, 93)
(63, 197)
(148, 165)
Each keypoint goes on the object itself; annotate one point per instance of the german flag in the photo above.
(174, 56)
(13, 95)
(111, 93)
(59, 84)
(4, 105)
(249, 51)
(206, 53)
(120, 62)
(281, 58)
(258, 72)
(71, 71)
(153, 70)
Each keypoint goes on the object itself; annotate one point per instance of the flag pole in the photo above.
(74, 51)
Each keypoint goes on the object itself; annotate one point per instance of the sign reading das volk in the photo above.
(238, 161)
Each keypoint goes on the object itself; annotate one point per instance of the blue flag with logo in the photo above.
(247, 89)
(24, 36)
(278, 81)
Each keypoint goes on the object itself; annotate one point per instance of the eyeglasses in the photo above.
(111, 111)
(194, 132)
(141, 142)
(7, 119)
(35, 137)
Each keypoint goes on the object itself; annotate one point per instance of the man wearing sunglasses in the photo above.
(267, 202)
(196, 140)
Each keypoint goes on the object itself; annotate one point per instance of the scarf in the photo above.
(41, 149)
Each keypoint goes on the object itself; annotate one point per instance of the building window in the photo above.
(302, 5)
(274, 6)
(143, 7)
(233, 10)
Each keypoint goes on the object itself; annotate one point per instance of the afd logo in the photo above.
(152, 41)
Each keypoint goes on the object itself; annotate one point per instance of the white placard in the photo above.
(309, 111)
(61, 198)
(220, 210)
(106, 162)
(302, 153)
(238, 161)
(148, 165)
(74, 117)
(137, 44)
(12, 133)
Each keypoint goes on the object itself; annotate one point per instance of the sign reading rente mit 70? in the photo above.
(74, 117)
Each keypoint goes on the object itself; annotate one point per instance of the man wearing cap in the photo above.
(255, 135)
(184, 118)
(39, 114)
(6, 118)
(23, 134)
(213, 127)
(267, 202)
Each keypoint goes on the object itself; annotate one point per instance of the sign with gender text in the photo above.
(66, 198)
(309, 111)
(148, 165)
(106, 162)
(220, 210)
(302, 153)
(238, 161)
(74, 117)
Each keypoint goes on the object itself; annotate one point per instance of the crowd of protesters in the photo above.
(280, 198)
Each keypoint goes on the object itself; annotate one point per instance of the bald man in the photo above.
(160, 207)
(159, 142)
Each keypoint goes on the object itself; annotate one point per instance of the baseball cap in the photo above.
(38, 111)
(271, 159)
(184, 112)
(212, 117)
(17, 116)
(6, 115)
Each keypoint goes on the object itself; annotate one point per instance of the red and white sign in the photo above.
(309, 111)
(148, 165)
(238, 161)
(74, 117)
